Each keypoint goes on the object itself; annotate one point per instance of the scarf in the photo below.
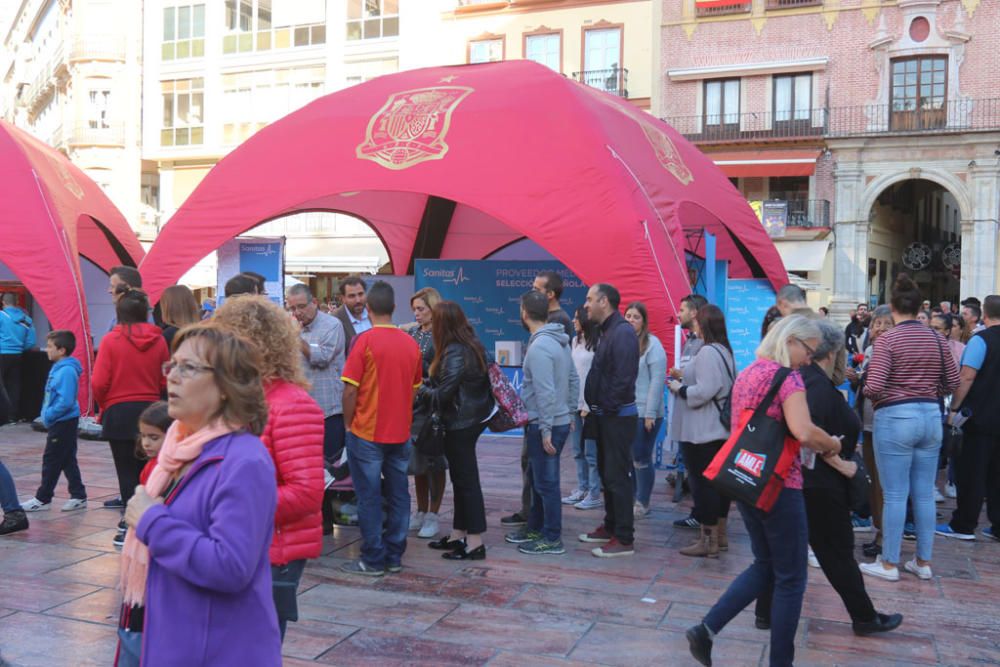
(180, 447)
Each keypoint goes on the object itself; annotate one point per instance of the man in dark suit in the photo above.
(353, 313)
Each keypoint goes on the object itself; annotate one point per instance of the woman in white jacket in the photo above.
(587, 495)
(649, 402)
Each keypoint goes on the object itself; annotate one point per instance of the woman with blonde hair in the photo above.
(778, 537)
(196, 554)
(293, 436)
(178, 309)
(429, 472)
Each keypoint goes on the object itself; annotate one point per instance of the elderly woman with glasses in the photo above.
(825, 490)
(778, 538)
(197, 554)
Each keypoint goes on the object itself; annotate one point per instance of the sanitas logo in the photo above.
(448, 275)
(265, 250)
(751, 462)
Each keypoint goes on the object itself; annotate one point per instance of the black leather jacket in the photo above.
(460, 389)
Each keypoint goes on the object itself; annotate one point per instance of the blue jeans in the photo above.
(545, 515)
(778, 539)
(8, 492)
(585, 455)
(642, 460)
(371, 462)
(907, 445)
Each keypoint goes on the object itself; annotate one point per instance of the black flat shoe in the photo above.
(479, 553)
(882, 623)
(871, 549)
(700, 644)
(444, 544)
(761, 623)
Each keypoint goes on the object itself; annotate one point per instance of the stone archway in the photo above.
(946, 180)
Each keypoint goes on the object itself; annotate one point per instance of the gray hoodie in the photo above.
(551, 388)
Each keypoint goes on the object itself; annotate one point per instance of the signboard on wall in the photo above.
(490, 292)
(774, 215)
(263, 255)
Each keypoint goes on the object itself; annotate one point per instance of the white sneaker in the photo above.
(922, 571)
(75, 504)
(35, 505)
(430, 527)
(876, 570)
(417, 521)
(575, 497)
(950, 491)
(589, 503)
(639, 511)
(813, 562)
(938, 498)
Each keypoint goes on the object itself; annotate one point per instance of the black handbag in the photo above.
(859, 486)
(725, 407)
(430, 439)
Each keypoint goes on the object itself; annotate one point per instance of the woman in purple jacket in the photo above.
(206, 515)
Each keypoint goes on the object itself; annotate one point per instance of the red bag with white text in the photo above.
(753, 464)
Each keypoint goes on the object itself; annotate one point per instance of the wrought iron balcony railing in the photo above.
(613, 80)
(839, 122)
(808, 213)
(788, 4)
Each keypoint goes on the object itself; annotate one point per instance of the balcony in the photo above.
(753, 126)
(808, 213)
(724, 9)
(881, 119)
(98, 48)
(841, 122)
(83, 135)
(789, 4)
(613, 80)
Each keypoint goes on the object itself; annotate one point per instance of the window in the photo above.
(792, 98)
(183, 32)
(722, 102)
(919, 88)
(251, 100)
(486, 51)
(262, 25)
(99, 104)
(545, 49)
(602, 56)
(372, 19)
(183, 112)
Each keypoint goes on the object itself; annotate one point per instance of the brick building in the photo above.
(876, 122)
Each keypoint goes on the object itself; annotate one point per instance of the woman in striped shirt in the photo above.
(911, 370)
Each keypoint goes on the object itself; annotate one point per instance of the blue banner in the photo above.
(747, 301)
(490, 292)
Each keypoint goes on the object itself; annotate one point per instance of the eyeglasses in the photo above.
(810, 350)
(185, 370)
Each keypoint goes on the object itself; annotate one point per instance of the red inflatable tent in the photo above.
(53, 214)
(456, 162)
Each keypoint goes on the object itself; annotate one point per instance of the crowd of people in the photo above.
(228, 431)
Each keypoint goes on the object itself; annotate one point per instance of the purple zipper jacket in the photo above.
(208, 593)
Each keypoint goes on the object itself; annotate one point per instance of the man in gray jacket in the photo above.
(550, 392)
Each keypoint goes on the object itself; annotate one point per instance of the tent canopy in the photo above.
(457, 162)
(52, 214)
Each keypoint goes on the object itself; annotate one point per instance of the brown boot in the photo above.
(723, 537)
(707, 546)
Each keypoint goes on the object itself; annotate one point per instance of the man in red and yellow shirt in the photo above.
(381, 374)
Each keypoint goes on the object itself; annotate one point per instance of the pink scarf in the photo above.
(179, 449)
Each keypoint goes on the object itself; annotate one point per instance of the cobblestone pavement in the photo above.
(58, 605)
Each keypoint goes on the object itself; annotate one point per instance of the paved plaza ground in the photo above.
(58, 605)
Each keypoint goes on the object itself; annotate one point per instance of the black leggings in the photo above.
(127, 466)
(709, 504)
(460, 450)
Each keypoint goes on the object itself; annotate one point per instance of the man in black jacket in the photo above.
(610, 393)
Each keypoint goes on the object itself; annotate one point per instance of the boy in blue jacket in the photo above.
(61, 415)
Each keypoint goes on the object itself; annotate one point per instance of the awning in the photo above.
(766, 163)
(803, 255)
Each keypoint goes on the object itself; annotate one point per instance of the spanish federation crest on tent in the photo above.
(457, 162)
(52, 214)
